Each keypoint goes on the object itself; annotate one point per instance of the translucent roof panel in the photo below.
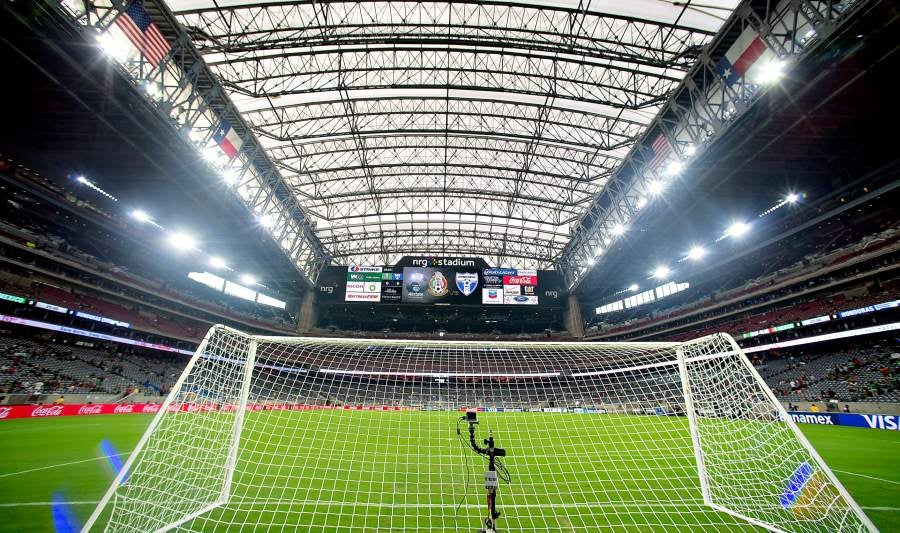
(478, 129)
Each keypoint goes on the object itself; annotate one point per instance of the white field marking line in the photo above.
(423, 505)
(867, 477)
(5, 431)
(61, 464)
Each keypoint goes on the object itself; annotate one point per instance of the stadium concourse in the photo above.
(439, 266)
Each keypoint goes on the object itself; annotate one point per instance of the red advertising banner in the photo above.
(520, 280)
(42, 411)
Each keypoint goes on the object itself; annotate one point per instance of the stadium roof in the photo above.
(472, 128)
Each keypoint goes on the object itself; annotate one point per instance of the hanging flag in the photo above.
(227, 139)
(661, 151)
(143, 33)
(741, 58)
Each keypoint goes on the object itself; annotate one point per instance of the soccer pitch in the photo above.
(379, 478)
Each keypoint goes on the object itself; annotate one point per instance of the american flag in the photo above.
(143, 33)
(661, 151)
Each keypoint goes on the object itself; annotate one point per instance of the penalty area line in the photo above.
(48, 467)
(867, 477)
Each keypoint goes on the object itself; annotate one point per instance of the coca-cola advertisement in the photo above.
(42, 411)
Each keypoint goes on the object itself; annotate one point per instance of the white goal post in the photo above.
(320, 434)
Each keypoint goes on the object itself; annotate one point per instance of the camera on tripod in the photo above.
(491, 480)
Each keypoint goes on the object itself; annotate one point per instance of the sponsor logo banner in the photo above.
(520, 300)
(492, 296)
(356, 268)
(499, 272)
(492, 281)
(512, 290)
(526, 272)
(520, 280)
(363, 276)
(362, 297)
(891, 422)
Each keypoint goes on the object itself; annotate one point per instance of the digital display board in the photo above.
(441, 281)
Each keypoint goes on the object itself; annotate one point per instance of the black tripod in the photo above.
(490, 477)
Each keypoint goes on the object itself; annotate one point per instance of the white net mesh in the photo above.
(362, 435)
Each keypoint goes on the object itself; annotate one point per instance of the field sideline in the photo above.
(60, 458)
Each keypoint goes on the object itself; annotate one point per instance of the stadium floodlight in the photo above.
(792, 198)
(674, 168)
(661, 272)
(771, 71)
(618, 229)
(591, 261)
(247, 279)
(82, 180)
(182, 241)
(267, 221)
(621, 415)
(112, 46)
(690, 150)
(655, 187)
(141, 216)
(696, 253)
(737, 229)
(633, 287)
(217, 262)
(230, 175)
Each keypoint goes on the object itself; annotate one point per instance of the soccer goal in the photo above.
(308, 434)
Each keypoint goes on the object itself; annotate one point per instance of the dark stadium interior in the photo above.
(97, 307)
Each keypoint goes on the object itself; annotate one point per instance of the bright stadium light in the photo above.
(737, 229)
(690, 150)
(618, 229)
(771, 72)
(633, 287)
(82, 180)
(247, 279)
(674, 168)
(696, 253)
(642, 202)
(217, 262)
(230, 175)
(267, 221)
(112, 47)
(792, 198)
(661, 272)
(182, 241)
(141, 216)
(655, 187)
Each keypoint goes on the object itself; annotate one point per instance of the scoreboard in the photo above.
(441, 281)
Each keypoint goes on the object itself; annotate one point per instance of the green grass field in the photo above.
(368, 471)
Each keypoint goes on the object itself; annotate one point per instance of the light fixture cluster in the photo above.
(180, 240)
(736, 230)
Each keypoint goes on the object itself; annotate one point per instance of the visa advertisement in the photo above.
(433, 284)
(890, 422)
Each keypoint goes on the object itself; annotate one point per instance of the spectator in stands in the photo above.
(59, 401)
(846, 408)
(814, 408)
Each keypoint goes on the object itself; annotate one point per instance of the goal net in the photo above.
(308, 434)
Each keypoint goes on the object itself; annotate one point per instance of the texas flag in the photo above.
(227, 139)
(743, 58)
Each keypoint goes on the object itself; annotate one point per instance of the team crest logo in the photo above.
(437, 285)
(466, 282)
